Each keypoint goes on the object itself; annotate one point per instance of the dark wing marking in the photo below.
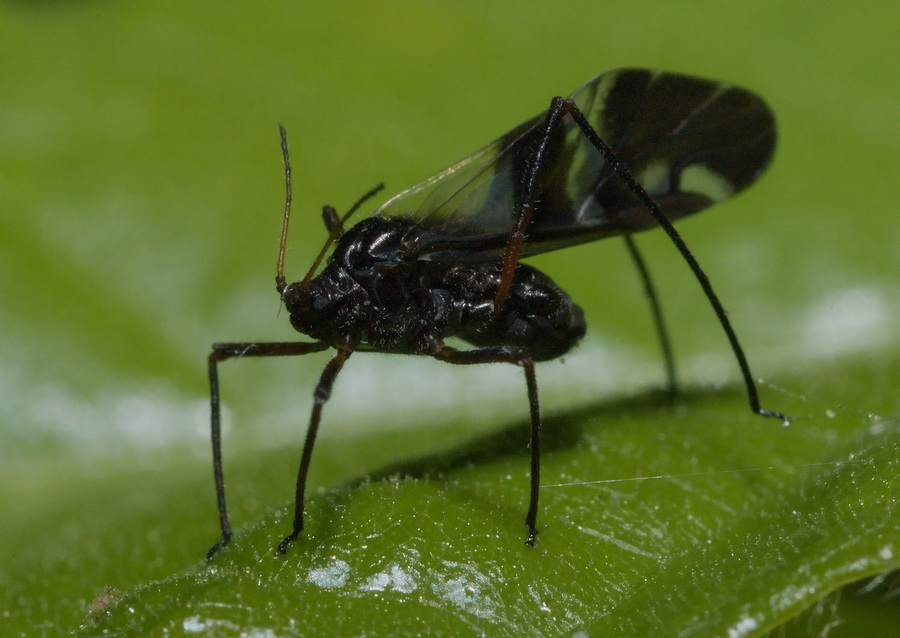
(690, 142)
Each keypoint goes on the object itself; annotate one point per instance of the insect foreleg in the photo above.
(221, 352)
(320, 396)
(332, 222)
(520, 357)
(335, 226)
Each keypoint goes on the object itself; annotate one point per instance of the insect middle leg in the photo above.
(520, 357)
(321, 394)
(221, 352)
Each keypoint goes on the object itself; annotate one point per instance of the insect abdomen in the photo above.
(538, 315)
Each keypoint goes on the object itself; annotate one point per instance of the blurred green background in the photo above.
(142, 188)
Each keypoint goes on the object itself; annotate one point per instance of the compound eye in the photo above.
(296, 298)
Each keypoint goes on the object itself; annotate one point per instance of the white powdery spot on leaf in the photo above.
(393, 578)
(462, 585)
(744, 626)
(333, 576)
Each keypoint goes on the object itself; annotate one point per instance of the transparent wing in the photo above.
(690, 142)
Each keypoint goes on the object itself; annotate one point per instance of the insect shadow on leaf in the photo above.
(630, 150)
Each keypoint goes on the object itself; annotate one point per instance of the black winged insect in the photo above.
(630, 150)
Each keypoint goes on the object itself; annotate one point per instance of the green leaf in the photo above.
(657, 517)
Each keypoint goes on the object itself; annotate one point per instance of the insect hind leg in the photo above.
(662, 331)
(559, 107)
(517, 356)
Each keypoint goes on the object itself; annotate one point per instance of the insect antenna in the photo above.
(280, 283)
(362, 200)
(337, 231)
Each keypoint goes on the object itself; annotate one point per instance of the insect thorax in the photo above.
(373, 295)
